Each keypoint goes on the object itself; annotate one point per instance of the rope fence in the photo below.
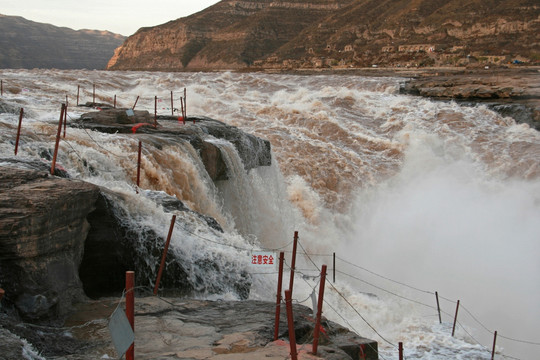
(301, 272)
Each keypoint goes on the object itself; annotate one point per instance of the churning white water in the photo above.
(413, 196)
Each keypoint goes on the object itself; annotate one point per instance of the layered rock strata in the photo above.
(515, 94)
(298, 34)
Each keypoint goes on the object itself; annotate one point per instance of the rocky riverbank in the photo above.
(511, 92)
(173, 328)
(62, 243)
(53, 229)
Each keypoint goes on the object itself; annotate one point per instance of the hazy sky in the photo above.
(119, 16)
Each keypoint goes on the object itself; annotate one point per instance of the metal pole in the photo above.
(155, 111)
(319, 311)
(160, 272)
(78, 89)
(53, 164)
(130, 309)
(133, 107)
(185, 104)
(455, 319)
(114, 105)
(293, 261)
(139, 166)
(494, 341)
(94, 94)
(65, 117)
(438, 307)
(334, 269)
(172, 105)
(19, 131)
(278, 297)
(182, 106)
(290, 321)
(1, 87)
(400, 349)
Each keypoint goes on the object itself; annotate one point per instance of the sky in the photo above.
(119, 16)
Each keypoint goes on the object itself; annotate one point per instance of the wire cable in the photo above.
(358, 313)
(345, 299)
(384, 277)
(388, 291)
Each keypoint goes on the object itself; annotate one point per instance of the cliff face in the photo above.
(28, 44)
(42, 230)
(229, 35)
(63, 239)
(347, 33)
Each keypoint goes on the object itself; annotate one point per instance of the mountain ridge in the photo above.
(266, 34)
(28, 44)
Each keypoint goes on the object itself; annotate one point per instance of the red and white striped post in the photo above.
(130, 309)
(290, 322)
(160, 272)
(278, 297)
(53, 163)
(293, 261)
(316, 332)
(19, 131)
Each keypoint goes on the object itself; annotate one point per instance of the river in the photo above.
(412, 195)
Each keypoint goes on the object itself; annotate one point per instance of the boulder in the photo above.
(199, 131)
(62, 240)
(112, 248)
(43, 227)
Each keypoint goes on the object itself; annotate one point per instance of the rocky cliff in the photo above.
(27, 44)
(229, 35)
(63, 239)
(43, 228)
(338, 33)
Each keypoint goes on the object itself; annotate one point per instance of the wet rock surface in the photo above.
(513, 93)
(62, 240)
(43, 227)
(199, 131)
(173, 328)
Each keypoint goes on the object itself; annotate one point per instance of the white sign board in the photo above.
(121, 332)
(263, 259)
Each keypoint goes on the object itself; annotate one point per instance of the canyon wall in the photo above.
(265, 34)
